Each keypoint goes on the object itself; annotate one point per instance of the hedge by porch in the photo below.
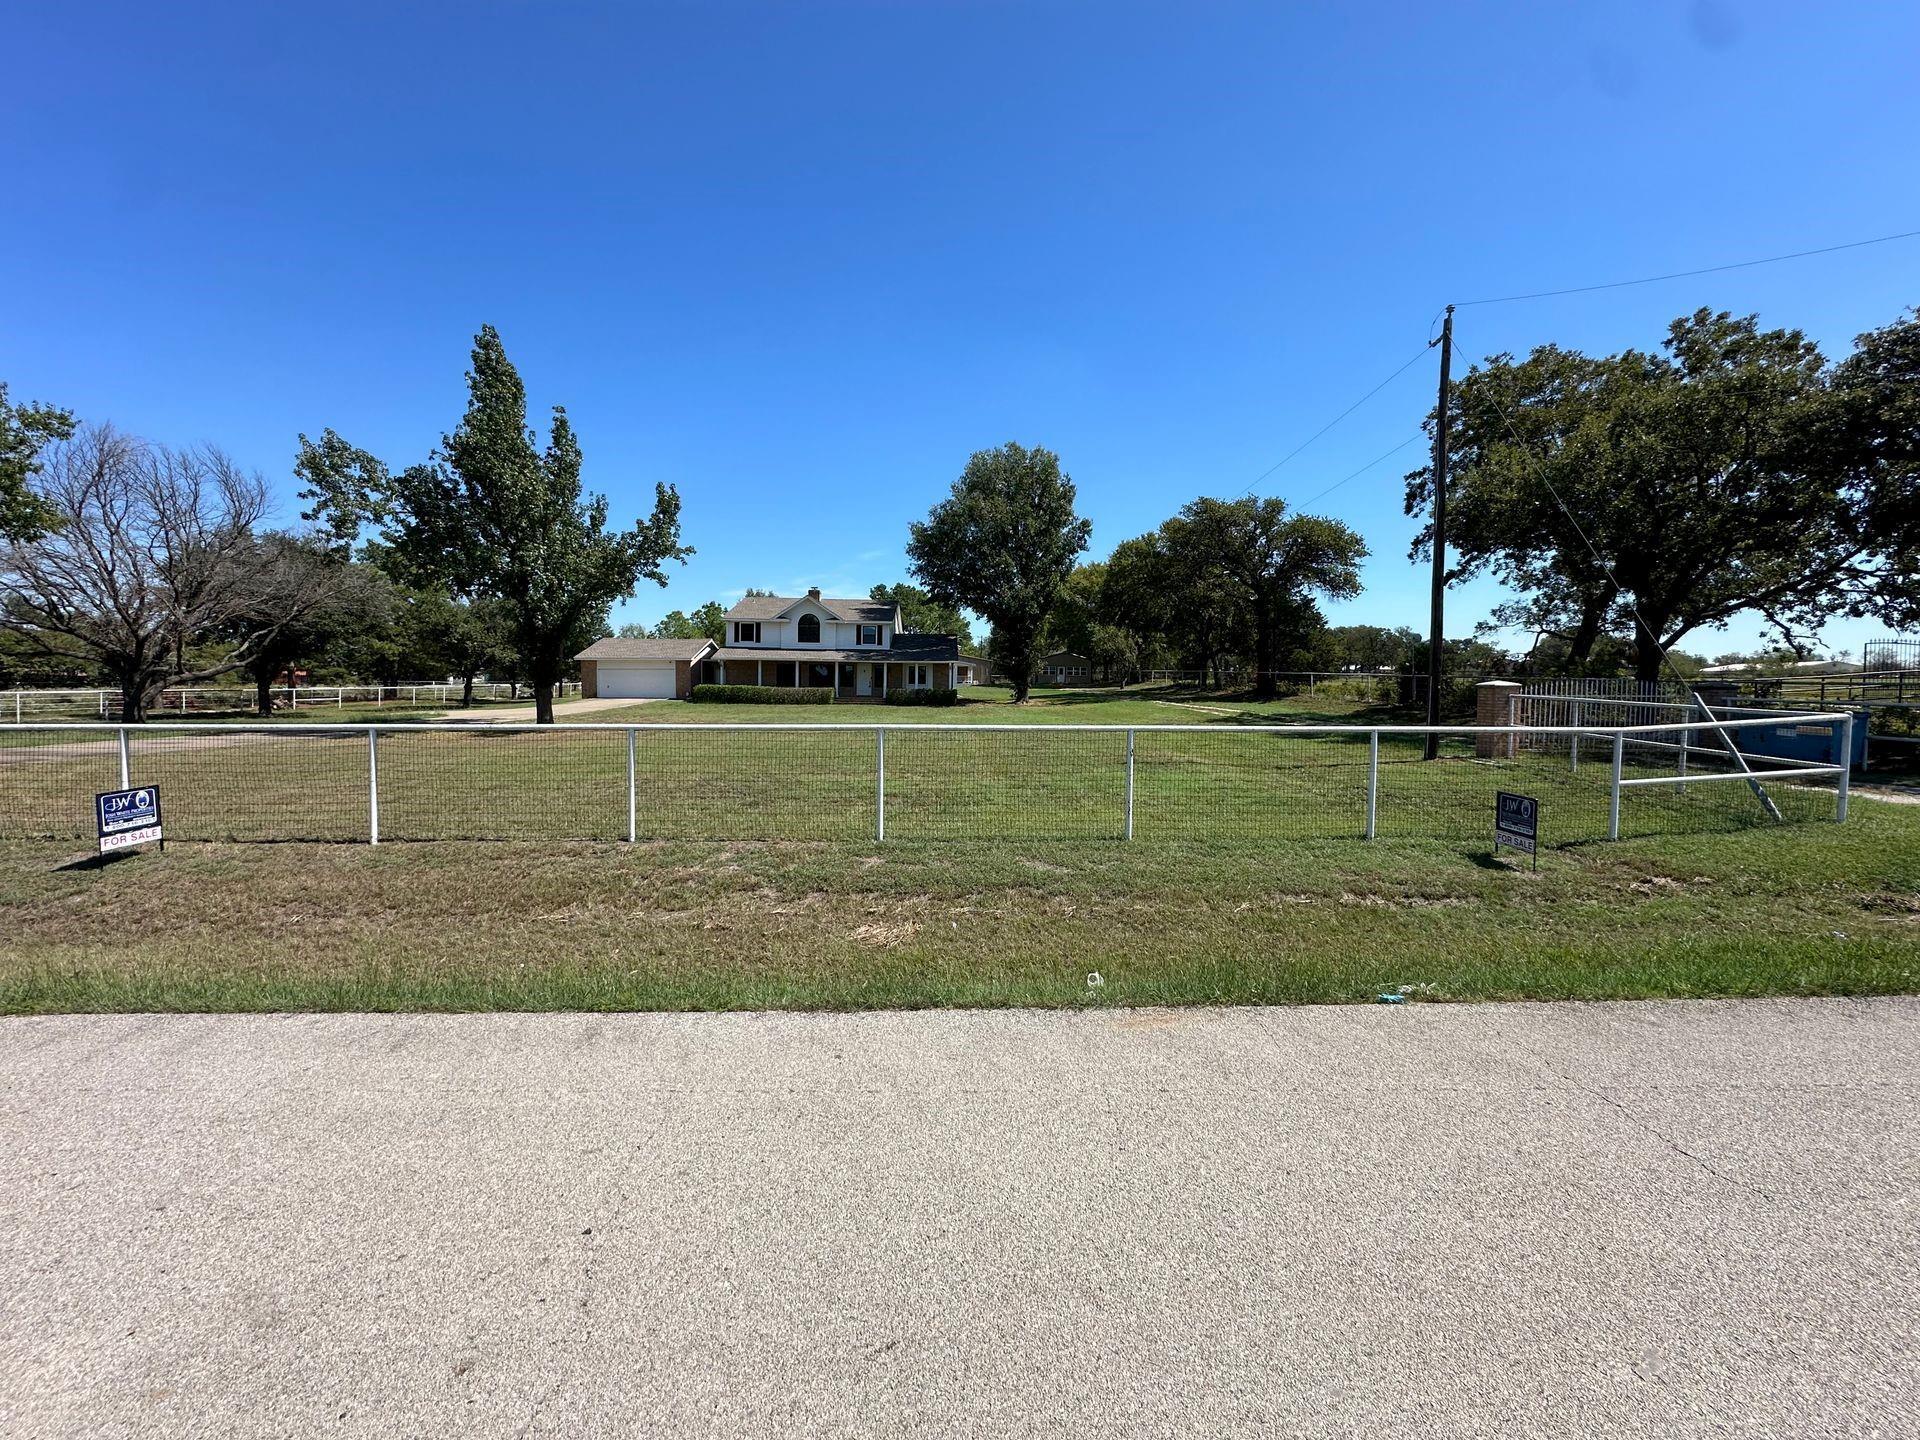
(923, 697)
(763, 695)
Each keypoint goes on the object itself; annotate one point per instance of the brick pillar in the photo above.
(1494, 705)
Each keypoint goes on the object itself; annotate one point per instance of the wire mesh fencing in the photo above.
(1230, 784)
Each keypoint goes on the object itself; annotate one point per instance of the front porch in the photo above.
(850, 680)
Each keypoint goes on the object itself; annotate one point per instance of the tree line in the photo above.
(1628, 502)
(155, 566)
(1634, 500)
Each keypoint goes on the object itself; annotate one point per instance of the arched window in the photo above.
(809, 630)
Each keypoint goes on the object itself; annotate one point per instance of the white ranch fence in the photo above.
(104, 703)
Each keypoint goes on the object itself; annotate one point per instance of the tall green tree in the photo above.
(1279, 565)
(491, 515)
(1871, 432)
(921, 615)
(1655, 494)
(1002, 544)
(24, 431)
(707, 622)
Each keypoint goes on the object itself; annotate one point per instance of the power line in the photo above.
(1684, 274)
(1311, 500)
(1412, 360)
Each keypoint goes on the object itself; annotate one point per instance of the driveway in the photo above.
(563, 711)
(1622, 1220)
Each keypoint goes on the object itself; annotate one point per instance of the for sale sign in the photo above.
(128, 817)
(1516, 822)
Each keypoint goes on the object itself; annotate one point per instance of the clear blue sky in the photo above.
(801, 259)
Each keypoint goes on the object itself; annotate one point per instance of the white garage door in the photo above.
(635, 681)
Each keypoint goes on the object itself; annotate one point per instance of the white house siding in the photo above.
(834, 634)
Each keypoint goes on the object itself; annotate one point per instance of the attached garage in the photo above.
(635, 679)
(620, 669)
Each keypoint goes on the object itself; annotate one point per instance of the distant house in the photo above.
(973, 670)
(853, 647)
(1063, 667)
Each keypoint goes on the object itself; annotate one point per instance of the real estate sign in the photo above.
(128, 817)
(1516, 821)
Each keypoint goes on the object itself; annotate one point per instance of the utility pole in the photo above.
(1438, 628)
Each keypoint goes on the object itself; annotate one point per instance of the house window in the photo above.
(746, 632)
(919, 677)
(869, 634)
(809, 630)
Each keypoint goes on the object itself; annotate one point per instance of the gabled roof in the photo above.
(772, 607)
(614, 648)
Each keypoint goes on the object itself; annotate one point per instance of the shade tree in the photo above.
(1002, 545)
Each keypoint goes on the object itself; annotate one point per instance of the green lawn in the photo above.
(1004, 878)
(1806, 909)
(1221, 782)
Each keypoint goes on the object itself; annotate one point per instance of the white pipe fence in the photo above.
(1200, 772)
(105, 701)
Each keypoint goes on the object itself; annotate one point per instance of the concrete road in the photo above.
(1646, 1220)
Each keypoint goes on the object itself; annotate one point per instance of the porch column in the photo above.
(953, 674)
(836, 679)
(759, 672)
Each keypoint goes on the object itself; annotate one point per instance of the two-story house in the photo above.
(854, 648)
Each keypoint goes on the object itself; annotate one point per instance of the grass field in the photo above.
(1004, 879)
(1224, 782)
(1809, 909)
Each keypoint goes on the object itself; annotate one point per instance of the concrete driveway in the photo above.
(1633, 1220)
(563, 711)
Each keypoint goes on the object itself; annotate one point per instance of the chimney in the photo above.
(814, 593)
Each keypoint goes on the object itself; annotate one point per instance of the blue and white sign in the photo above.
(1516, 822)
(128, 817)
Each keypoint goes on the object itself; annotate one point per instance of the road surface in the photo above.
(1595, 1220)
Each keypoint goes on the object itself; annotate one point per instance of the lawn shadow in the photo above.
(94, 861)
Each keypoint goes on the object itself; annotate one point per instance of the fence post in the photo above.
(633, 831)
(1129, 782)
(126, 760)
(1613, 801)
(1686, 743)
(1846, 769)
(880, 783)
(1579, 718)
(1373, 783)
(373, 786)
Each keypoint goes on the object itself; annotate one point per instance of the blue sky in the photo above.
(802, 259)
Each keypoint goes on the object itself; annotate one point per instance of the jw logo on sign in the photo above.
(128, 817)
(1516, 823)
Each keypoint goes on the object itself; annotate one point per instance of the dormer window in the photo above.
(869, 634)
(808, 630)
(746, 632)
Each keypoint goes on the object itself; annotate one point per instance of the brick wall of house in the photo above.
(589, 679)
(683, 679)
